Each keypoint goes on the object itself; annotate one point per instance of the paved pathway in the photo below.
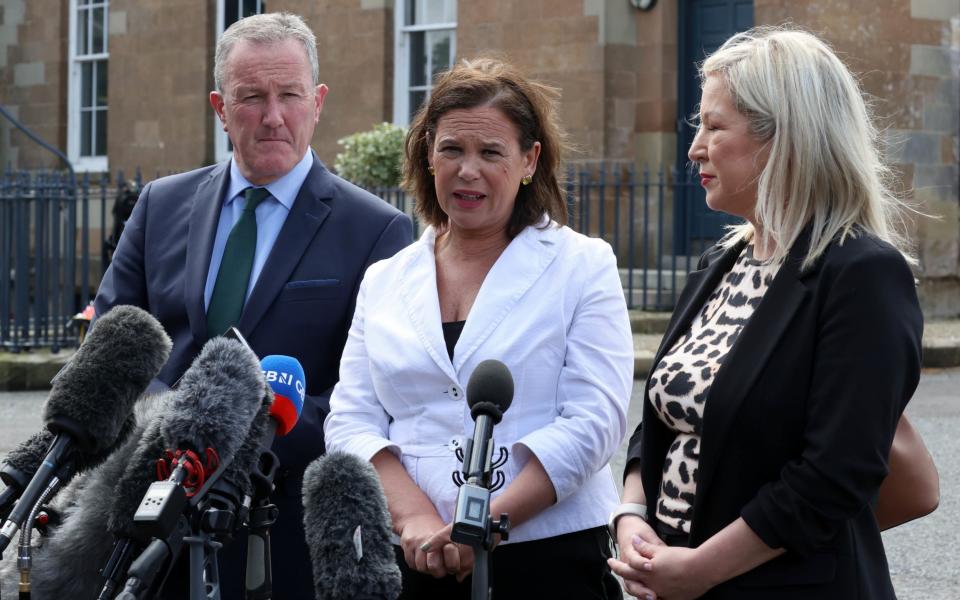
(923, 555)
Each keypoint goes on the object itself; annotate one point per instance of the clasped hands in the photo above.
(650, 569)
(427, 548)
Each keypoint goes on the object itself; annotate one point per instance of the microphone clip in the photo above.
(494, 471)
(195, 469)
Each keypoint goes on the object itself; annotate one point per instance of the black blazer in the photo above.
(799, 420)
(301, 306)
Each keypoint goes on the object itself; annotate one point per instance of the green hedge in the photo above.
(372, 158)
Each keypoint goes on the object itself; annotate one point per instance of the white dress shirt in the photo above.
(552, 309)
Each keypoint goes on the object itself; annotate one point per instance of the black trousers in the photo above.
(573, 565)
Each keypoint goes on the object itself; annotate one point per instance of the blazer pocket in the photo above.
(310, 289)
(791, 569)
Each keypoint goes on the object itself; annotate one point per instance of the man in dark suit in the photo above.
(270, 242)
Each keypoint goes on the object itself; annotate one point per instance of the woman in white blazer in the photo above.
(496, 275)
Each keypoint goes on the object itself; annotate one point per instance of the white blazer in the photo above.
(552, 309)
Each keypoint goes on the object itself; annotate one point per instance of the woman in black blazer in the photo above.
(792, 352)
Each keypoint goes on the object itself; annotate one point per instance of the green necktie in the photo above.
(230, 290)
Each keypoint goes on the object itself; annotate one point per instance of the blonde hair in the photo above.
(825, 166)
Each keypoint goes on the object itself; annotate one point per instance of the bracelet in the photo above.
(627, 508)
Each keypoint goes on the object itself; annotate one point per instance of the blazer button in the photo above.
(456, 443)
(455, 392)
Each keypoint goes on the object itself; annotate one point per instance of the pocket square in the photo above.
(312, 283)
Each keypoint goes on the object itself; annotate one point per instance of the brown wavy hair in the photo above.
(530, 105)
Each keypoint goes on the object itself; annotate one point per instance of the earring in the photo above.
(526, 179)
(433, 172)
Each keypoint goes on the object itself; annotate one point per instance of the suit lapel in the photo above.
(418, 292)
(747, 358)
(512, 275)
(204, 216)
(307, 214)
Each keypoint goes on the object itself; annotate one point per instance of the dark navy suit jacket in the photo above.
(300, 306)
(799, 421)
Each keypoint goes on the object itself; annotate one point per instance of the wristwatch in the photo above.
(627, 508)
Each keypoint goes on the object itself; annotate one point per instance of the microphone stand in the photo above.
(172, 520)
(263, 514)
(144, 570)
(204, 570)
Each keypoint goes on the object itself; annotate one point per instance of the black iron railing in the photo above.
(47, 239)
(636, 213)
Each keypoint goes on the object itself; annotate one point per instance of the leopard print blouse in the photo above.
(680, 383)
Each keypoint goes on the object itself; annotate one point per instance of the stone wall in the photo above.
(33, 50)
(355, 51)
(557, 42)
(616, 68)
(907, 53)
(161, 72)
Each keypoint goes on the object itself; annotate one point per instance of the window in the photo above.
(425, 46)
(228, 13)
(87, 112)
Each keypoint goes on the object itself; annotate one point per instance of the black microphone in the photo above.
(209, 416)
(284, 375)
(22, 462)
(213, 407)
(347, 528)
(66, 564)
(218, 397)
(489, 394)
(20, 465)
(91, 400)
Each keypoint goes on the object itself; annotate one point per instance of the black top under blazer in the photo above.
(799, 420)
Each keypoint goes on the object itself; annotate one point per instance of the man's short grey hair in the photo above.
(269, 28)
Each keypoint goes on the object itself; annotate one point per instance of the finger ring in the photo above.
(425, 546)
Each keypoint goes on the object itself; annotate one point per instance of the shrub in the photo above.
(372, 158)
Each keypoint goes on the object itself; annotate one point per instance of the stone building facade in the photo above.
(621, 71)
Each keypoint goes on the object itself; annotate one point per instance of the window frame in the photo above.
(76, 60)
(401, 59)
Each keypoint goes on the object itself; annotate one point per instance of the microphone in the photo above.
(284, 375)
(275, 418)
(91, 400)
(209, 415)
(65, 565)
(20, 465)
(22, 462)
(489, 394)
(213, 407)
(347, 528)
(218, 397)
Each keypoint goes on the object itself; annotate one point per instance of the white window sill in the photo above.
(91, 164)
